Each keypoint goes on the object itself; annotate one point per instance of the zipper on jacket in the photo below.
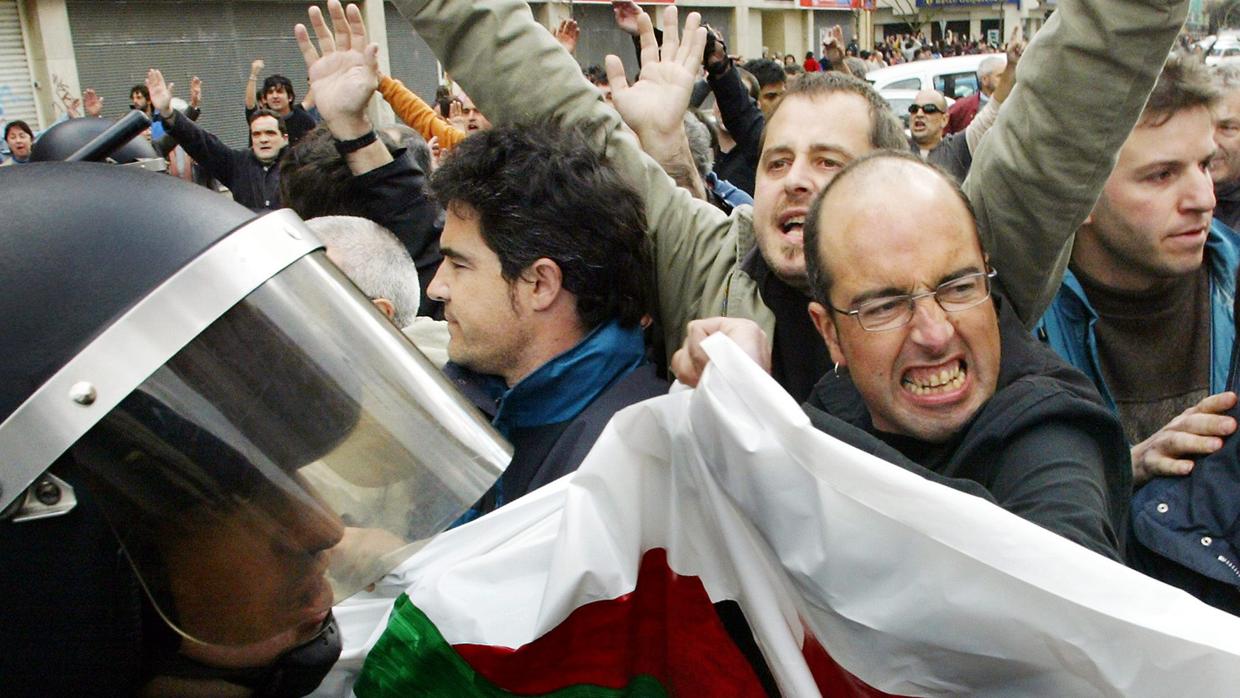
(1230, 565)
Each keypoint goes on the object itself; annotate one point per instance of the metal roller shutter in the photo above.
(412, 61)
(115, 42)
(16, 90)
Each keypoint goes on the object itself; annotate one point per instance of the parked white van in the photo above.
(955, 77)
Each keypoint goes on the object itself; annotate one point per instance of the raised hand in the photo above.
(256, 67)
(1016, 46)
(195, 91)
(92, 102)
(656, 103)
(161, 92)
(344, 71)
(567, 34)
(456, 115)
(626, 13)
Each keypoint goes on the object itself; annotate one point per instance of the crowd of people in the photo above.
(1031, 300)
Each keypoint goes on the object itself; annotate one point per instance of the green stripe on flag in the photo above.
(412, 658)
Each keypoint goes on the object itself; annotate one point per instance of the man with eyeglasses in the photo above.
(928, 118)
(934, 371)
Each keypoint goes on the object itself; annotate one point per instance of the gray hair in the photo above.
(374, 260)
(1226, 77)
(699, 144)
(992, 65)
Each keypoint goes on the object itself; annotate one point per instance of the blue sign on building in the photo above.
(965, 3)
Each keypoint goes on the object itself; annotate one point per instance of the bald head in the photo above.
(927, 128)
(854, 211)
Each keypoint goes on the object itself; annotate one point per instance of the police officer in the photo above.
(207, 438)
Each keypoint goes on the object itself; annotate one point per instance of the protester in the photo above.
(771, 82)
(252, 174)
(545, 283)
(19, 138)
(278, 96)
(140, 99)
(381, 268)
(928, 118)
(964, 109)
(930, 358)
(1146, 310)
(1146, 307)
(1225, 167)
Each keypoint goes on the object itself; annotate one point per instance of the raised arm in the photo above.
(204, 147)
(344, 72)
(741, 115)
(986, 117)
(1036, 176)
(251, 85)
(655, 106)
(419, 115)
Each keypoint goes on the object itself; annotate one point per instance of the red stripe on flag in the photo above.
(666, 628)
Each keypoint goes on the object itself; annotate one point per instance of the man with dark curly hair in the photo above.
(545, 284)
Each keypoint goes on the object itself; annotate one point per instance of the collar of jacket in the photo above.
(560, 389)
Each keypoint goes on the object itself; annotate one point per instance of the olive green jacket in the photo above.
(1035, 177)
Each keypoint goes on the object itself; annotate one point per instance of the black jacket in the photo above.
(254, 185)
(1043, 447)
(744, 121)
(394, 196)
(952, 154)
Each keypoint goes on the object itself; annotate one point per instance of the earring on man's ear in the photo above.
(836, 368)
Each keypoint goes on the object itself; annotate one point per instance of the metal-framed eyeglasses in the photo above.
(891, 312)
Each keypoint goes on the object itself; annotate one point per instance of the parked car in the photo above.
(1225, 51)
(955, 77)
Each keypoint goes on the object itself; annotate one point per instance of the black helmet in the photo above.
(235, 406)
(65, 138)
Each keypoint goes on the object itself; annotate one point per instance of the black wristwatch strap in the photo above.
(346, 147)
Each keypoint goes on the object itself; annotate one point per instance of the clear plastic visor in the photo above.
(289, 456)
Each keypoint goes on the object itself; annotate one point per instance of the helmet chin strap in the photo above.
(295, 673)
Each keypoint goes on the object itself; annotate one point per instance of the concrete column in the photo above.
(748, 39)
(49, 53)
(865, 30)
(1011, 19)
(379, 111)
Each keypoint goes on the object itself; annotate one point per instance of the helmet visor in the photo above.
(289, 456)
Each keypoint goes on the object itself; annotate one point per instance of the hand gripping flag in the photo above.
(714, 543)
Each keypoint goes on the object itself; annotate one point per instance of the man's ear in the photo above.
(386, 307)
(546, 281)
(825, 324)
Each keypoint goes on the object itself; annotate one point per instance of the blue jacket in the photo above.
(1183, 529)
